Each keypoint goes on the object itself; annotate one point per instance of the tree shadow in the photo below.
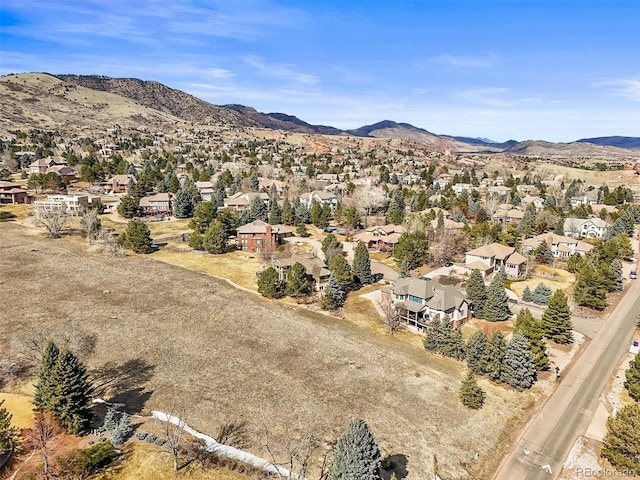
(394, 464)
(123, 383)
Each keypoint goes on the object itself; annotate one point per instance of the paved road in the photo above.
(550, 434)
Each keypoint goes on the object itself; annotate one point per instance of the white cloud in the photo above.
(467, 61)
(628, 88)
(492, 96)
(281, 70)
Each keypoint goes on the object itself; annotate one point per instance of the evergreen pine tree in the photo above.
(616, 267)
(531, 328)
(433, 341)
(275, 213)
(477, 293)
(287, 216)
(301, 230)
(405, 271)
(219, 194)
(556, 320)
(527, 296)
(301, 213)
(342, 272)
(203, 215)
(110, 420)
(475, 349)
(44, 390)
(632, 383)
(621, 444)
(122, 430)
(254, 181)
(454, 346)
(357, 456)
(184, 204)
(128, 206)
(624, 246)
(518, 368)
(298, 283)
(269, 284)
(362, 264)
(493, 357)
(333, 296)
(588, 290)
(496, 308)
(71, 399)
(8, 432)
(541, 294)
(471, 395)
(215, 238)
(258, 210)
(137, 237)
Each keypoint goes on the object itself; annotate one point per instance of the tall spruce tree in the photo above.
(44, 390)
(527, 295)
(475, 349)
(215, 238)
(518, 368)
(493, 358)
(362, 264)
(477, 293)
(556, 319)
(258, 210)
(333, 296)
(342, 272)
(541, 294)
(454, 346)
(64, 389)
(531, 328)
(356, 456)
(203, 215)
(184, 204)
(287, 215)
(471, 395)
(298, 283)
(616, 267)
(588, 290)
(496, 308)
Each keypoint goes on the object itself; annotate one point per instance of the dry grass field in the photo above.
(166, 336)
(554, 278)
(148, 462)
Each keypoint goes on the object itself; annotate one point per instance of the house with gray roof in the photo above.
(493, 257)
(420, 300)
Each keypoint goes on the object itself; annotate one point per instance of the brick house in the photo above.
(259, 236)
(11, 193)
(312, 264)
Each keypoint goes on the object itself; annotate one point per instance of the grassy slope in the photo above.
(226, 354)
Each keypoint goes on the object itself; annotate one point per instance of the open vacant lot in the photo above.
(168, 338)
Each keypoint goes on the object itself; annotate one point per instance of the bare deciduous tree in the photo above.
(111, 246)
(39, 438)
(53, 219)
(90, 223)
(391, 317)
(491, 204)
(295, 450)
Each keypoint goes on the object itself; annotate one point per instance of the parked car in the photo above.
(448, 264)
(633, 275)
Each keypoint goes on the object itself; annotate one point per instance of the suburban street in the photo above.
(548, 437)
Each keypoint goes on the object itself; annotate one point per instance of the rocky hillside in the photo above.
(162, 98)
(616, 141)
(39, 100)
(282, 121)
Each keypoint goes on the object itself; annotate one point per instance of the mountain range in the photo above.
(36, 98)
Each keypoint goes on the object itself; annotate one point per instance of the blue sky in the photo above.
(554, 70)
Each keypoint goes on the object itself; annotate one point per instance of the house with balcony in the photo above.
(383, 238)
(11, 193)
(419, 300)
(157, 204)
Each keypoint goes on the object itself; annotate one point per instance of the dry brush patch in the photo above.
(227, 355)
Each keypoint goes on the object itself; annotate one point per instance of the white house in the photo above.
(586, 227)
